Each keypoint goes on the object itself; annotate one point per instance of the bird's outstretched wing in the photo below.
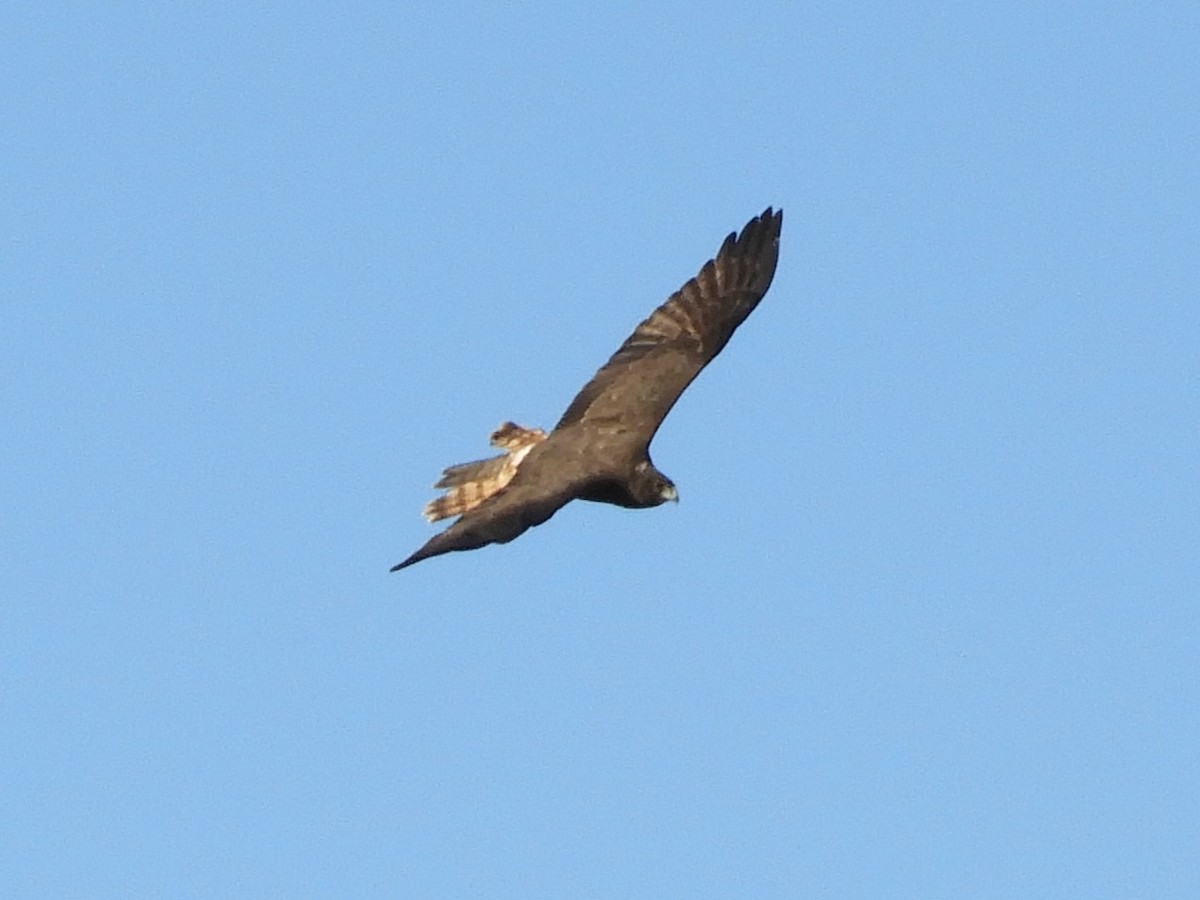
(633, 392)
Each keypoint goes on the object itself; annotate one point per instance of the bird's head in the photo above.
(651, 486)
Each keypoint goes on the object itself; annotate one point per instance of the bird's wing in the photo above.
(633, 392)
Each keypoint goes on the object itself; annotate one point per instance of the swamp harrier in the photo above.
(599, 450)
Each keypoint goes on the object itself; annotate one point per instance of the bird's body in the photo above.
(599, 450)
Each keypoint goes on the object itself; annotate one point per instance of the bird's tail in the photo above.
(469, 484)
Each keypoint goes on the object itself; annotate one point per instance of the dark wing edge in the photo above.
(641, 381)
(498, 520)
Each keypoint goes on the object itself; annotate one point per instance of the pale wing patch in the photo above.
(469, 484)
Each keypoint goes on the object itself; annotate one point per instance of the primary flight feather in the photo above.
(600, 448)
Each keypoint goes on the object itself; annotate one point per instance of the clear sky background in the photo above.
(925, 621)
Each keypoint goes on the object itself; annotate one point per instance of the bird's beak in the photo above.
(671, 494)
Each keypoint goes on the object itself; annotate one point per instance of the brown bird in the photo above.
(600, 448)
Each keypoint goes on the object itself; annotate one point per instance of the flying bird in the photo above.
(600, 448)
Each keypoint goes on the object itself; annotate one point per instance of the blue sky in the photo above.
(924, 623)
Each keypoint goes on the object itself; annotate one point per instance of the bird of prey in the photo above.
(599, 450)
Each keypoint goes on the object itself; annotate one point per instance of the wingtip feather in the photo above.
(415, 558)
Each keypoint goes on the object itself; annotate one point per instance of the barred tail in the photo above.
(472, 471)
(463, 498)
(469, 484)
